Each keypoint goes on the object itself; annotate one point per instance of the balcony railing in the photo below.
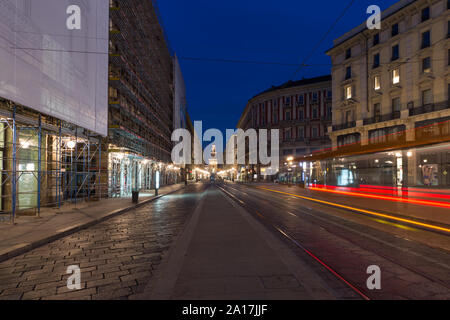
(429, 108)
(343, 126)
(380, 118)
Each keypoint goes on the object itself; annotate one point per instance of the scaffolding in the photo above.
(46, 163)
(141, 81)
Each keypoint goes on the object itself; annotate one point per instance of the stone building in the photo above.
(389, 82)
(302, 111)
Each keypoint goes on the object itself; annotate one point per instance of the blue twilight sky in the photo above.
(283, 31)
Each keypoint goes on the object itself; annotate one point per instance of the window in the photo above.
(348, 53)
(395, 52)
(426, 39)
(315, 114)
(348, 92)
(287, 134)
(348, 73)
(448, 52)
(377, 111)
(376, 60)
(315, 132)
(288, 101)
(275, 102)
(377, 83)
(301, 100)
(426, 65)
(394, 30)
(376, 39)
(448, 29)
(396, 76)
(263, 122)
(315, 97)
(301, 133)
(396, 105)
(329, 94)
(425, 14)
(301, 114)
(287, 116)
(427, 97)
(329, 110)
(348, 116)
(275, 115)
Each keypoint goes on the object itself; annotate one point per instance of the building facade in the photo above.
(391, 111)
(141, 94)
(388, 82)
(302, 111)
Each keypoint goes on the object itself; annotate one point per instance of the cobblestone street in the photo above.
(116, 257)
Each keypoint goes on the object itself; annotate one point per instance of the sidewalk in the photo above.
(31, 232)
(226, 254)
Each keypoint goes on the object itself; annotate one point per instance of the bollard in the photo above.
(135, 196)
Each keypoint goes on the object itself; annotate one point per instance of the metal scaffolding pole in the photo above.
(14, 172)
(39, 167)
(59, 165)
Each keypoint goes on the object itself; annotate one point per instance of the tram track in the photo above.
(339, 231)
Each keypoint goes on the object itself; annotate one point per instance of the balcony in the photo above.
(381, 118)
(429, 108)
(343, 126)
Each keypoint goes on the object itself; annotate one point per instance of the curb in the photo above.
(39, 243)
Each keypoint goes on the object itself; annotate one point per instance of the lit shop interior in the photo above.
(427, 166)
(129, 172)
(46, 162)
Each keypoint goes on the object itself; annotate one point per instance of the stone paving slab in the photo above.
(31, 232)
(117, 257)
(231, 256)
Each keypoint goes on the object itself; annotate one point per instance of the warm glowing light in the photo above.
(396, 76)
(390, 198)
(290, 159)
(409, 154)
(363, 211)
(25, 144)
(71, 144)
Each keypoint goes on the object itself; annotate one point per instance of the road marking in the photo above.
(373, 213)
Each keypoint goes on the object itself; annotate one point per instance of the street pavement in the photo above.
(226, 255)
(232, 241)
(30, 232)
(117, 257)
(414, 262)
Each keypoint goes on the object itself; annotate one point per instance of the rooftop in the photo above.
(362, 27)
(298, 83)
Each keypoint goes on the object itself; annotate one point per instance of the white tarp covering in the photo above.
(54, 58)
